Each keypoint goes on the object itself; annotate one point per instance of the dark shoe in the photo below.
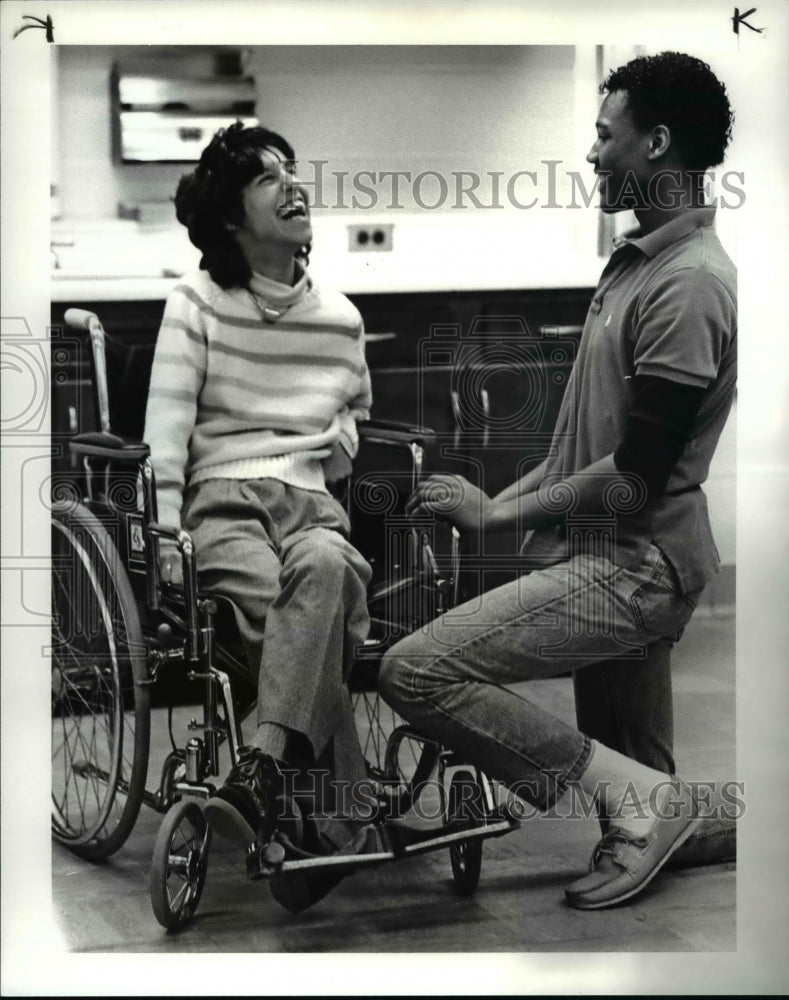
(342, 836)
(297, 891)
(243, 809)
(292, 890)
(623, 865)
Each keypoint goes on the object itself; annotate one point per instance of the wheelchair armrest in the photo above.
(103, 444)
(394, 432)
(189, 565)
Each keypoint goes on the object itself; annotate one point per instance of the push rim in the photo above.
(100, 720)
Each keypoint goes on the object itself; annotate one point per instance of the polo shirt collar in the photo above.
(671, 232)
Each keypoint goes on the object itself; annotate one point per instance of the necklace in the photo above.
(269, 313)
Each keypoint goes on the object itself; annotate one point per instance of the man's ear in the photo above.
(659, 141)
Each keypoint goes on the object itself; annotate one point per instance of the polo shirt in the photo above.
(666, 305)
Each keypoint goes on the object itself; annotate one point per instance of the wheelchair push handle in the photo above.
(82, 319)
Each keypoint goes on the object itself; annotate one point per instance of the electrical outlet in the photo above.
(376, 237)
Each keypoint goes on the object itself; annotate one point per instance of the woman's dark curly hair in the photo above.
(209, 199)
(683, 93)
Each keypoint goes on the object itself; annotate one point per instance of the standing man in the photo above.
(649, 395)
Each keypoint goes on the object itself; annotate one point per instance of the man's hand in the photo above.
(453, 499)
(337, 466)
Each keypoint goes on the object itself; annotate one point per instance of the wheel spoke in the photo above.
(99, 751)
(179, 864)
(175, 901)
(80, 745)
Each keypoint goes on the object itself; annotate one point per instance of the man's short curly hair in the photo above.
(210, 198)
(681, 92)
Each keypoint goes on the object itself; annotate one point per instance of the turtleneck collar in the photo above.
(278, 294)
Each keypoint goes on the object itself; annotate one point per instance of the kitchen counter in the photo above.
(122, 261)
(110, 289)
(149, 288)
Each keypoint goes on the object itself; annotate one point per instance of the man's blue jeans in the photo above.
(627, 705)
(450, 678)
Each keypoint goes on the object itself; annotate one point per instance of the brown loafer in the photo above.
(623, 865)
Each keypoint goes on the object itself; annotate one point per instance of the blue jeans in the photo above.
(627, 705)
(449, 679)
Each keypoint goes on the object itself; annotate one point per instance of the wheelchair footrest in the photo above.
(419, 842)
(387, 842)
(268, 860)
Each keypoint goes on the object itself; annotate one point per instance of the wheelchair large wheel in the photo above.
(411, 774)
(100, 708)
(179, 865)
(376, 722)
(465, 805)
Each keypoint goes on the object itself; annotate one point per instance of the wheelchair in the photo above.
(120, 635)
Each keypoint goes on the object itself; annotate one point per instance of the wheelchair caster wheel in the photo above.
(179, 865)
(263, 860)
(465, 805)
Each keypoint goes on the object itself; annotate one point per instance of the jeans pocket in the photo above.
(660, 613)
(658, 606)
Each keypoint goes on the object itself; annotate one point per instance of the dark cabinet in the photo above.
(487, 371)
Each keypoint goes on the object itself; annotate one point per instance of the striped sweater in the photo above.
(234, 396)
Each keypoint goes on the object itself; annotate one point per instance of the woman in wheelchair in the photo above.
(258, 380)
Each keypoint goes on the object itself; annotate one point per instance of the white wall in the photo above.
(421, 108)
(91, 185)
(444, 109)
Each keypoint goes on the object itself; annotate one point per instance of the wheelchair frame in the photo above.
(112, 646)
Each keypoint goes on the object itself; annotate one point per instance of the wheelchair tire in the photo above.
(100, 707)
(465, 804)
(179, 864)
(410, 762)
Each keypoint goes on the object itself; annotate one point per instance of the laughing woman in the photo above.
(258, 380)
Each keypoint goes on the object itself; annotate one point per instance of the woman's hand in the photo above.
(337, 466)
(453, 499)
(170, 565)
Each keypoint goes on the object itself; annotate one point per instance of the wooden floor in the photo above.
(410, 906)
